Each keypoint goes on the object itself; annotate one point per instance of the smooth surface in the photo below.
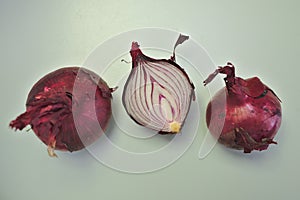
(260, 37)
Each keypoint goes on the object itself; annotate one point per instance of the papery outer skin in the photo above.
(51, 107)
(246, 116)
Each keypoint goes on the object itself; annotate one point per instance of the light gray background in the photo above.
(260, 37)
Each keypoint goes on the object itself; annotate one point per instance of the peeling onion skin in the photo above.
(244, 115)
(52, 104)
(158, 92)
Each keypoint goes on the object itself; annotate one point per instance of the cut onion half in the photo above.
(158, 92)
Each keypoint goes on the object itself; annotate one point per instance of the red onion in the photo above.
(52, 104)
(158, 92)
(245, 115)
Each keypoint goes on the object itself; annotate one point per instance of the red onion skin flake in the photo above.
(51, 106)
(244, 115)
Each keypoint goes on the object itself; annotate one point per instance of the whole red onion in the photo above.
(245, 115)
(53, 104)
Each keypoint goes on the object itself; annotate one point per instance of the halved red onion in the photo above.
(158, 92)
